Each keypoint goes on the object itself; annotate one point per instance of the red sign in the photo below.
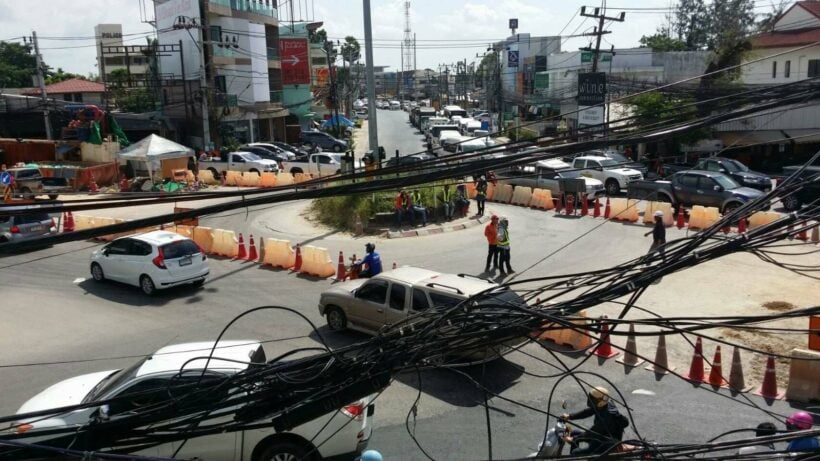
(295, 56)
(322, 76)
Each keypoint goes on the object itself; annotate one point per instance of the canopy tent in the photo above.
(153, 150)
(337, 120)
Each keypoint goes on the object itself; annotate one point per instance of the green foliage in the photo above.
(692, 23)
(341, 212)
(17, 65)
(351, 50)
(661, 42)
(318, 36)
(135, 100)
(60, 76)
(652, 106)
(731, 21)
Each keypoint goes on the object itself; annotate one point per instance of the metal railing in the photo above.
(261, 7)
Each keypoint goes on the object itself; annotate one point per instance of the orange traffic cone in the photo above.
(660, 365)
(607, 209)
(341, 270)
(741, 226)
(596, 212)
(68, 222)
(252, 255)
(92, 186)
(297, 265)
(815, 234)
(696, 368)
(768, 390)
(803, 235)
(604, 348)
(716, 373)
(630, 358)
(736, 381)
(584, 205)
(354, 273)
(242, 253)
(681, 219)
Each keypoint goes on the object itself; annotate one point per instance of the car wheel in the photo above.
(337, 148)
(730, 207)
(295, 171)
(147, 285)
(254, 171)
(612, 187)
(336, 319)
(97, 272)
(791, 203)
(284, 451)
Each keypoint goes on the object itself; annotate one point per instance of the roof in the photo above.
(786, 38)
(158, 237)
(466, 285)
(554, 163)
(173, 358)
(72, 85)
(408, 274)
(812, 7)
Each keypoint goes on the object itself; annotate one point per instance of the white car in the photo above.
(342, 432)
(606, 170)
(151, 261)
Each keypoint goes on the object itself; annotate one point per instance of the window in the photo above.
(34, 218)
(77, 97)
(324, 159)
(443, 301)
(814, 68)
(712, 166)
(706, 183)
(397, 296)
(774, 69)
(141, 393)
(141, 248)
(420, 301)
(787, 69)
(221, 84)
(318, 61)
(120, 247)
(374, 291)
(216, 33)
(688, 180)
(578, 163)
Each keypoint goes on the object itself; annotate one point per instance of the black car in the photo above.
(737, 171)
(809, 193)
(265, 153)
(298, 151)
(322, 140)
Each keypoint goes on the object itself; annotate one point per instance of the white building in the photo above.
(136, 66)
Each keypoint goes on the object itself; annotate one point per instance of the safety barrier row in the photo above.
(701, 217)
(278, 253)
(503, 193)
(664, 207)
(521, 196)
(761, 218)
(624, 209)
(542, 199)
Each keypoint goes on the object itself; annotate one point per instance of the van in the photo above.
(436, 131)
(431, 122)
(450, 142)
(471, 127)
(395, 105)
(450, 111)
(462, 124)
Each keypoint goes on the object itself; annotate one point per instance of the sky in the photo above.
(446, 30)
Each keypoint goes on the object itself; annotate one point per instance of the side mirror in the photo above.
(105, 251)
(718, 188)
(103, 413)
(722, 170)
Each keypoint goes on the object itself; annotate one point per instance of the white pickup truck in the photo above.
(321, 164)
(239, 161)
(614, 176)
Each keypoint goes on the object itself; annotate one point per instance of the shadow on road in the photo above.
(120, 293)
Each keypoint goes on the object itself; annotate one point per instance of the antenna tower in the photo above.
(408, 61)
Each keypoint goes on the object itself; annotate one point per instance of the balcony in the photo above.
(260, 7)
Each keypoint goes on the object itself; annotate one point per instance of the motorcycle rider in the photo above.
(371, 264)
(607, 427)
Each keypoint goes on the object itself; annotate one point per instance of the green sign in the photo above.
(542, 80)
(586, 56)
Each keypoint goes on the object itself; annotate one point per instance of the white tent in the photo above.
(152, 151)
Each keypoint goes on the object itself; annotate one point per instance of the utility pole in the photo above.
(372, 131)
(203, 80)
(41, 80)
(599, 31)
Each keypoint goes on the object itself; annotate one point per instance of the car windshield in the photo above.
(726, 182)
(609, 163)
(113, 381)
(733, 166)
(251, 156)
(618, 157)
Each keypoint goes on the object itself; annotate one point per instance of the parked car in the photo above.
(321, 164)
(737, 171)
(151, 261)
(291, 154)
(611, 173)
(367, 305)
(266, 153)
(622, 160)
(809, 193)
(344, 432)
(409, 159)
(546, 174)
(239, 161)
(394, 105)
(323, 140)
(33, 225)
(296, 151)
(695, 187)
(29, 183)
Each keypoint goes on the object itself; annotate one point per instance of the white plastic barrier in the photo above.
(702, 217)
(652, 207)
(622, 209)
(522, 196)
(316, 261)
(207, 177)
(225, 243)
(760, 218)
(203, 236)
(503, 193)
(278, 253)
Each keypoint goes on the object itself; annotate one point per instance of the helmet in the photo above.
(800, 420)
(494, 218)
(370, 247)
(483, 178)
(599, 396)
(504, 221)
(371, 455)
(659, 214)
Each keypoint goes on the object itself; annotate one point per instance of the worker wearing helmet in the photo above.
(372, 262)
(658, 234)
(801, 421)
(607, 427)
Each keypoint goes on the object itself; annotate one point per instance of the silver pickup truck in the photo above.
(239, 161)
(545, 174)
(29, 183)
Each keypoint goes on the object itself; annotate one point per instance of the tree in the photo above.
(351, 51)
(318, 36)
(767, 20)
(662, 42)
(730, 22)
(17, 65)
(692, 23)
(60, 76)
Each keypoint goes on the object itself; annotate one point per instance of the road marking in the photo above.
(643, 392)
(79, 280)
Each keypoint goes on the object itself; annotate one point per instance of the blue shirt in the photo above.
(373, 262)
(804, 444)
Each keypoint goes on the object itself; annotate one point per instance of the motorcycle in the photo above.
(553, 444)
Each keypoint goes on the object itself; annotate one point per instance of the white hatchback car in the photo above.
(151, 261)
(342, 433)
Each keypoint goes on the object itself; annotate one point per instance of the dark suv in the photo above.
(322, 140)
(737, 171)
(809, 193)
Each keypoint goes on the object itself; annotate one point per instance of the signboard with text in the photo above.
(591, 88)
(590, 115)
(512, 58)
(295, 61)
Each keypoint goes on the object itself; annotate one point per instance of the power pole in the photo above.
(372, 131)
(41, 81)
(599, 31)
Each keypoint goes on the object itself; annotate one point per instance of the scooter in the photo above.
(553, 444)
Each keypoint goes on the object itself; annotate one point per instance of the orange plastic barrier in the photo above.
(316, 261)
(203, 236)
(471, 190)
(267, 180)
(185, 231)
(82, 222)
(652, 207)
(522, 196)
(624, 210)
(250, 179)
(804, 386)
(225, 243)
(542, 199)
(701, 217)
(278, 253)
(205, 176)
(101, 222)
(576, 339)
(490, 191)
(503, 193)
(233, 178)
(761, 218)
(300, 177)
(284, 179)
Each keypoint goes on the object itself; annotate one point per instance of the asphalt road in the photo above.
(53, 312)
(396, 133)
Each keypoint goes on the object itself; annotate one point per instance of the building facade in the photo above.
(135, 66)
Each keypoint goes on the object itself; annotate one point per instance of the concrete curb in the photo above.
(435, 230)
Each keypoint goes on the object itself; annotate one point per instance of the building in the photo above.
(73, 90)
(134, 66)
(231, 48)
(788, 53)
(522, 57)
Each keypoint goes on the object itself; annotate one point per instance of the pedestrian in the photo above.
(446, 197)
(203, 156)
(462, 202)
(491, 233)
(658, 235)
(481, 194)
(504, 246)
(417, 207)
(400, 207)
(193, 167)
(763, 430)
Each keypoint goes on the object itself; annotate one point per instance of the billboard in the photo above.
(512, 58)
(590, 115)
(294, 53)
(591, 88)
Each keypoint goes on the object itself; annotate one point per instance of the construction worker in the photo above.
(491, 233)
(658, 234)
(400, 207)
(504, 246)
(446, 197)
(802, 421)
(481, 194)
(607, 428)
(371, 264)
(461, 200)
(416, 206)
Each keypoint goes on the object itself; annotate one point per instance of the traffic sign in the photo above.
(512, 58)
(6, 178)
(514, 23)
(295, 61)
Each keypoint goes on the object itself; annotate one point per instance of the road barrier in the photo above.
(622, 209)
(233, 178)
(267, 180)
(702, 217)
(278, 253)
(665, 207)
(542, 199)
(471, 190)
(250, 179)
(574, 338)
(316, 261)
(185, 231)
(207, 177)
(284, 179)
(522, 196)
(761, 218)
(503, 193)
(491, 190)
(804, 384)
(204, 237)
(225, 243)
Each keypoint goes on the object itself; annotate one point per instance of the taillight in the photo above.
(354, 410)
(14, 230)
(159, 260)
(22, 428)
(201, 250)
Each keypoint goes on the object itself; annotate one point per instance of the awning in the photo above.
(746, 138)
(806, 136)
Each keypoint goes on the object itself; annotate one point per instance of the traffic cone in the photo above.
(681, 219)
(68, 222)
(584, 205)
(559, 203)
(741, 226)
(252, 255)
(607, 209)
(341, 270)
(354, 274)
(815, 234)
(570, 205)
(92, 186)
(716, 373)
(696, 368)
(242, 253)
(630, 358)
(726, 228)
(736, 381)
(768, 390)
(660, 365)
(604, 348)
(803, 235)
(297, 265)
(596, 212)
(124, 184)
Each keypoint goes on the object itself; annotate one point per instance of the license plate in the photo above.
(186, 261)
(37, 228)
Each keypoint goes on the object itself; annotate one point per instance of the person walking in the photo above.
(658, 234)
(446, 197)
(491, 233)
(481, 194)
(504, 246)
